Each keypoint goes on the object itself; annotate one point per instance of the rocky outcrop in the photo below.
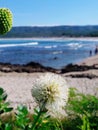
(29, 68)
(74, 71)
(87, 75)
(75, 68)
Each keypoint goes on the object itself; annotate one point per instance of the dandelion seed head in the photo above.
(53, 89)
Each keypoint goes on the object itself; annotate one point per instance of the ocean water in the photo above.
(55, 53)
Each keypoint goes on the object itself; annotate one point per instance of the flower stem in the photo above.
(39, 114)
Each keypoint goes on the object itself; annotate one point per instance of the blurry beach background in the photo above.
(55, 53)
(71, 45)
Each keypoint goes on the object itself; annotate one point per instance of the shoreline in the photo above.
(31, 67)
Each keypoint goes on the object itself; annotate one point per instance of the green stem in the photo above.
(39, 114)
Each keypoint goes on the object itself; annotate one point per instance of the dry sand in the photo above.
(90, 61)
(18, 85)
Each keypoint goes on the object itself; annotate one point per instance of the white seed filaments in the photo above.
(51, 90)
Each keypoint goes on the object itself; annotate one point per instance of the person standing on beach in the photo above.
(90, 52)
(96, 50)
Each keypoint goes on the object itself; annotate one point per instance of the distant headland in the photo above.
(52, 31)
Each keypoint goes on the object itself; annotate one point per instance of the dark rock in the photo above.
(89, 76)
(36, 67)
(33, 64)
(29, 68)
(75, 68)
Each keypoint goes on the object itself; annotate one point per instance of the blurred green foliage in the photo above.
(81, 110)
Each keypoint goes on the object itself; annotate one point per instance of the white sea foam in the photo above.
(75, 45)
(54, 46)
(48, 47)
(57, 52)
(19, 44)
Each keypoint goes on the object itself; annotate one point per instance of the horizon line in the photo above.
(52, 25)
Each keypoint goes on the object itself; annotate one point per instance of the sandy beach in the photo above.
(90, 61)
(18, 85)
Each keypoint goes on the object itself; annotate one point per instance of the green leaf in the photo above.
(4, 96)
(1, 91)
(8, 126)
(23, 109)
(8, 109)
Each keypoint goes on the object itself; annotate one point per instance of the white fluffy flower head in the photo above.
(52, 89)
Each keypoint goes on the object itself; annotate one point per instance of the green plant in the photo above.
(42, 121)
(86, 123)
(4, 108)
(51, 94)
(83, 108)
(22, 120)
(5, 20)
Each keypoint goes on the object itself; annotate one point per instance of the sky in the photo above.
(52, 12)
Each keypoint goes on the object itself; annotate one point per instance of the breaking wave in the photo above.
(57, 52)
(54, 46)
(75, 45)
(19, 44)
